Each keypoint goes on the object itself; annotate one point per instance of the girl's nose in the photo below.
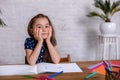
(44, 29)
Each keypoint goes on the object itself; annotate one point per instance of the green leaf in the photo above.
(94, 14)
(114, 6)
(100, 4)
(115, 10)
(107, 6)
(2, 23)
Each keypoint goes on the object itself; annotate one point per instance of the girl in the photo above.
(41, 47)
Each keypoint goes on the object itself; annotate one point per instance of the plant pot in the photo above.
(108, 28)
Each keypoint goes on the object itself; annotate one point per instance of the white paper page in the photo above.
(70, 67)
(65, 67)
(17, 70)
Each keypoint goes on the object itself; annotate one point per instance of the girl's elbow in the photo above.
(31, 63)
(57, 61)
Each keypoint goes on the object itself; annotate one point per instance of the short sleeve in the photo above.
(29, 43)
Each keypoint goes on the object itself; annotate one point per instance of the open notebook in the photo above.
(38, 68)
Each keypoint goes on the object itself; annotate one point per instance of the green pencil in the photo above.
(92, 74)
(27, 76)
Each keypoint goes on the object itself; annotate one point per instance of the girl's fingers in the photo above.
(50, 29)
(40, 33)
(35, 31)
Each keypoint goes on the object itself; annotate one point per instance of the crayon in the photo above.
(55, 74)
(90, 75)
(29, 76)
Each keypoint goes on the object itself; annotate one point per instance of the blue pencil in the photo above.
(55, 74)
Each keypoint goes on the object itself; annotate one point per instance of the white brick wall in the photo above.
(75, 33)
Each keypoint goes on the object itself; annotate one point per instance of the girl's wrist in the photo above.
(47, 41)
(41, 41)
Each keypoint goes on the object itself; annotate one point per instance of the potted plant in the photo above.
(1, 21)
(108, 10)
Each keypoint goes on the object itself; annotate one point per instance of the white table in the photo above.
(107, 45)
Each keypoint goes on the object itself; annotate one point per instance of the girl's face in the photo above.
(43, 24)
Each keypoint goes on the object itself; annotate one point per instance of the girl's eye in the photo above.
(39, 26)
(47, 26)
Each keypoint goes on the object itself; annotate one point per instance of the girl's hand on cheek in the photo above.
(49, 34)
(37, 34)
(40, 35)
